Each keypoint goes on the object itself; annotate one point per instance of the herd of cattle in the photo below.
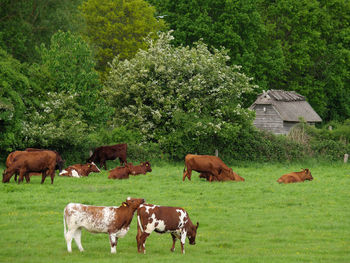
(115, 221)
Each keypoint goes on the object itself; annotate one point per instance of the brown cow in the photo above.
(296, 177)
(59, 161)
(224, 176)
(211, 167)
(9, 161)
(36, 161)
(114, 221)
(143, 168)
(164, 219)
(121, 172)
(104, 153)
(80, 170)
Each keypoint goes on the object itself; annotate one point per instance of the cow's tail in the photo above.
(139, 223)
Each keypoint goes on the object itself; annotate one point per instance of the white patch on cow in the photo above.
(155, 224)
(63, 171)
(148, 207)
(75, 174)
(122, 232)
(182, 218)
(128, 198)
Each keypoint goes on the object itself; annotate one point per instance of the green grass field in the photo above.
(253, 221)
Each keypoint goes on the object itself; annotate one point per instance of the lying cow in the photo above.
(163, 219)
(296, 177)
(27, 162)
(121, 172)
(224, 176)
(112, 220)
(210, 166)
(80, 170)
(143, 168)
(104, 153)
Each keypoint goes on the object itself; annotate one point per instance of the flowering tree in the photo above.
(179, 96)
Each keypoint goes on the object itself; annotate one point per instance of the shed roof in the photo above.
(289, 104)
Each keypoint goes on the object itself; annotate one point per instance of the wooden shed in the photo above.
(278, 111)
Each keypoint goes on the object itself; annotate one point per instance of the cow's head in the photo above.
(192, 234)
(147, 165)
(93, 168)
(133, 203)
(6, 176)
(307, 174)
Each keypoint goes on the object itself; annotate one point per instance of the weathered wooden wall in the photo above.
(269, 119)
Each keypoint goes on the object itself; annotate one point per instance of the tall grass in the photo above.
(253, 221)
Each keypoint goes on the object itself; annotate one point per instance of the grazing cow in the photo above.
(37, 161)
(112, 220)
(9, 160)
(296, 177)
(143, 168)
(121, 172)
(163, 219)
(211, 167)
(104, 153)
(80, 170)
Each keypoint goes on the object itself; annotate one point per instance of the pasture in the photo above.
(257, 220)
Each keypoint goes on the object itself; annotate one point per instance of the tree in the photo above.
(67, 66)
(26, 24)
(118, 27)
(12, 84)
(183, 98)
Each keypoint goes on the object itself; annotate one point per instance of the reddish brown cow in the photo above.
(224, 176)
(143, 168)
(163, 219)
(114, 221)
(211, 167)
(80, 170)
(9, 161)
(104, 153)
(38, 161)
(59, 161)
(296, 177)
(121, 172)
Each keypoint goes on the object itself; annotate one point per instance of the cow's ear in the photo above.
(197, 225)
(124, 204)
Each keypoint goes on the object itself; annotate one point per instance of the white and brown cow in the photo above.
(112, 220)
(80, 170)
(164, 219)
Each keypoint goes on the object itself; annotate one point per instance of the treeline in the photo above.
(78, 74)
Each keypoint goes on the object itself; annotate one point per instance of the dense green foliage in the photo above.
(25, 24)
(172, 99)
(253, 221)
(118, 28)
(290, 45)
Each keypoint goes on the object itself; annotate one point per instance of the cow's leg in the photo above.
(187, 174)
(27, 177)
(21, 175)
(69, 236)
(183, 240)
(174, 240)
(77, 239)
(113, 241)
(143, 238)
(52, 175)
(43, 177)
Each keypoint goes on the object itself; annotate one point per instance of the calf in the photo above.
(163, 219)
(224, 176)
(112, 220)
(80, 170)
(296, 177)
(121, 172)
(143, 168)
